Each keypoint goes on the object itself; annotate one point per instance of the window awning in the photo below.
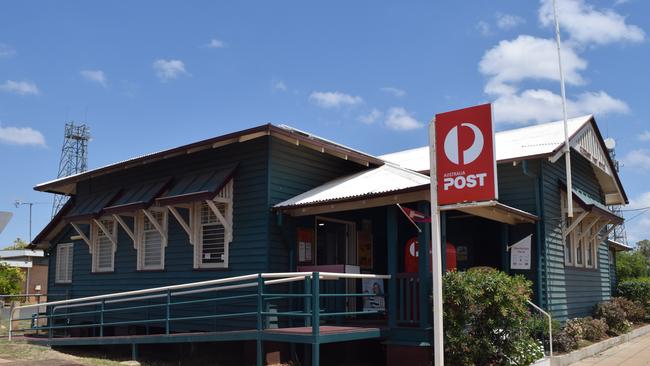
(618, 246)
(592, 206)
(200, 186)
(92, 207)
(494, 210)
(137, 197)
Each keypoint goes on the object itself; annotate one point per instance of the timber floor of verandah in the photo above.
(327, 334)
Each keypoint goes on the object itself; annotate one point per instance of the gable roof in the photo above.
(521, 143)
(67, 185)
(544, 140)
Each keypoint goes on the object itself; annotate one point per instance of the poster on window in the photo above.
(520, 254)
(364, 246)
(376, 300)
(305, 245)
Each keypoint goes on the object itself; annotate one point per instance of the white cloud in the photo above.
(541, 105)
(484, 28)
(394, 91)
(400, 119)
(21, 136)
(280, 85)
(639, 159)
(509, 21)
(528, 57)
(19, 87)
(169, 69)
(96, 76)
(644, 136)
(334, 99)
(588, 25)
(6, 51)
(216, 43)
(372, 117)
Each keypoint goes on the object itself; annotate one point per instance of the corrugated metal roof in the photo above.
(510, 145)
(384, 179)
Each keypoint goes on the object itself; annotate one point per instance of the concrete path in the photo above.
(633, 353)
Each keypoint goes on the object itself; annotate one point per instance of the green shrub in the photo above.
(487, 321)
(10, 280)
(594, 330)
(614, 315)
(631, 265)
(637, 289)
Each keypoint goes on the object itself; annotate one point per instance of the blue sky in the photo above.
(150, 75)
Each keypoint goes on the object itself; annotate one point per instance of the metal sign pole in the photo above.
(436, 255)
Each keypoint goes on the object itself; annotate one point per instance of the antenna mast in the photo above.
(74, 157)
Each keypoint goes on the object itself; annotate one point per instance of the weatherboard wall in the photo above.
(570, 292)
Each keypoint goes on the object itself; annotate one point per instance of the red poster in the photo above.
(466, 165)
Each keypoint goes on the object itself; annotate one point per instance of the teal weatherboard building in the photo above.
(274, 236)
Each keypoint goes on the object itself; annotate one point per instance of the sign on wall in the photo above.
(466, 165)
(520, 254)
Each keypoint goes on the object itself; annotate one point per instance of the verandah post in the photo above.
(391, 243)
(168, 312)
(424, 266)
(260, 323)
(315, 318)
(101, 318)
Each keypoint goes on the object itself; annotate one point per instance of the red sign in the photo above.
(466, 165)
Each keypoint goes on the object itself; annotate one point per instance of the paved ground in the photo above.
(4, 362)
(633, 353)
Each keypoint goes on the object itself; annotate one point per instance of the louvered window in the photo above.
(214, 232)
(64, 254)
(104, 245)
(152, 239)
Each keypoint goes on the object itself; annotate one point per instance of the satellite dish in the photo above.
(4, 219)
(610, 143)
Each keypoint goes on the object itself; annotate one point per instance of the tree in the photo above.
(643, 247)
(10, 280)
(18, 244)
(631, 265)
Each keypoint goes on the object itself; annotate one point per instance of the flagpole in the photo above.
(567, 147)
(436, 255)
(409, 217)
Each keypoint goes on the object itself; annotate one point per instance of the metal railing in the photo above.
(250, 294)
(550, 326)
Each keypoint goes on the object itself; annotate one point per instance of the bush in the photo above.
(637, 289)
(614, 315)
(564, 342)
(10, 280)
(634, 311)
(575, 328)
(486, 318)
(594, 330)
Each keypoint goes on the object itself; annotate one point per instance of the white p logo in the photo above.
(471, 153)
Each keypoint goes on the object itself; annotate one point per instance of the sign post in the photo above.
(462, 169)
(436, 255)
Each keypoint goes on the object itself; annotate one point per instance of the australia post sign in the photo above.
(466, 165)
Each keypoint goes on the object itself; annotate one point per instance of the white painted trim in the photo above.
(57, 276)
(217, 213)
(96, 225)
(155, 223)
(111, 237)
(83, 236)
(181, 221)
(126, 228)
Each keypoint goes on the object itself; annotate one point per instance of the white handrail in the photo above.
(281, 277)
(550, 326)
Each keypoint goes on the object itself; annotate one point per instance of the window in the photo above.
(213, 230)
(64, 254)
(568, 244)
(104, 244)
(152, 239)
(577, 235)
